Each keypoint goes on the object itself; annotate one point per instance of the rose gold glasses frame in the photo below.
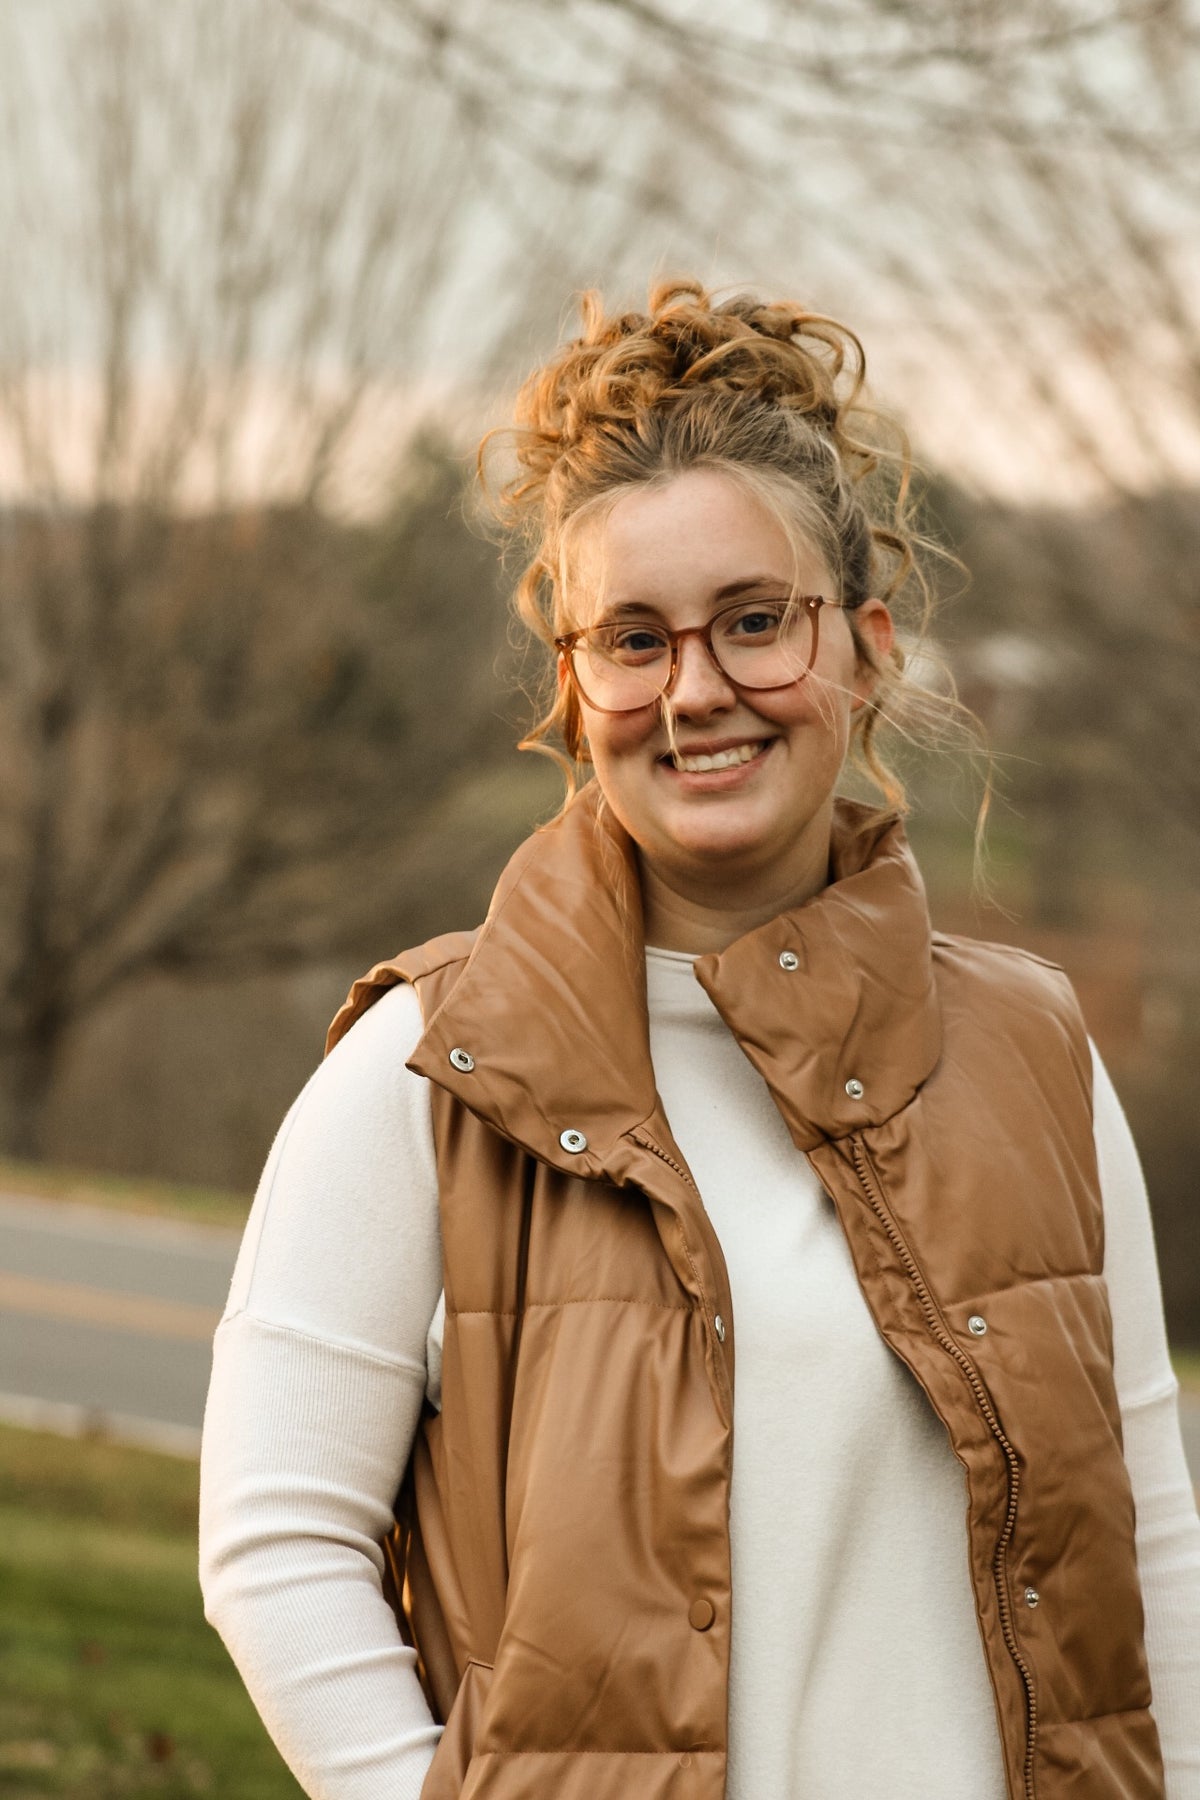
(810, 602)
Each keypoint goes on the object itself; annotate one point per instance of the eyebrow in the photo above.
(734, 588)
(731, 590)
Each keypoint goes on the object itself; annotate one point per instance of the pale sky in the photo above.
(1008, 313)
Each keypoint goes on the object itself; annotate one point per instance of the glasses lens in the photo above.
(765, 643)
(621, 667)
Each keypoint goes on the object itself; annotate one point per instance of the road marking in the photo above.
(140, 1313)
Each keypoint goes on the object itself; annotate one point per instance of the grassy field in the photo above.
(1187, 1368)
(112, 1685)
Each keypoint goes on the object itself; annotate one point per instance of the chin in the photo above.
(716, 844)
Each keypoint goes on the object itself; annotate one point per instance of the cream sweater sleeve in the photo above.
(319, 1367)
(1168, 1531)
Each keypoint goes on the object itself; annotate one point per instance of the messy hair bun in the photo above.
(768, 392)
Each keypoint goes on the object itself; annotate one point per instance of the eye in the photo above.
(761, 619)
(631, 643)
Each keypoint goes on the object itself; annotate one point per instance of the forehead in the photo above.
(681, 545)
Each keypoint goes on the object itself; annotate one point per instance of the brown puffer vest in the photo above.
(561, 1554)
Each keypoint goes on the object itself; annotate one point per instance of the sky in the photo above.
(276, 226)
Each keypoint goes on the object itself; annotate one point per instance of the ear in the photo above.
(875, 627)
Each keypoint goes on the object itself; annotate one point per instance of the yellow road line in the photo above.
(140, 1313)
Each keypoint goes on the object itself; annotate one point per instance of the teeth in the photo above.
(723, 759)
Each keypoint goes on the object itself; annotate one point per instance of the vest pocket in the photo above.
(447, 1772)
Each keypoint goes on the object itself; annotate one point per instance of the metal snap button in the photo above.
(976, 1325)
(462, 1059)
(701, 1614)
(855, 1088)
(574, 1141)
(788, 960)
(719, 1328)
(1031, 1596)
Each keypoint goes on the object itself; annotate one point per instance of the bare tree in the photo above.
(1005, 198)
(227, 700)
(241, 234)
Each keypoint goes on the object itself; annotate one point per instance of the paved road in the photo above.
(106, 1322)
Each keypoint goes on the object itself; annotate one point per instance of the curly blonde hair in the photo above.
(771, 395)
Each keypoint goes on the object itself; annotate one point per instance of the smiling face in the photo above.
(748, 834)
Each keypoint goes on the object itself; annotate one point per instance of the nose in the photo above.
(700, 687)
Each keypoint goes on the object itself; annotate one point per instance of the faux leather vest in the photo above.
(561, 1557)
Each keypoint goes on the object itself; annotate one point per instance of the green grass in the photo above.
(165, 1199)
(112, 1685)
(1187, 1369)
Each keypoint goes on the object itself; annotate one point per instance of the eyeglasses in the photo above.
(757, 644)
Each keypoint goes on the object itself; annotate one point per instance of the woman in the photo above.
(706, 1072)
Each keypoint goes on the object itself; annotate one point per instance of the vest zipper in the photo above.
(648, 1143)
(867, 1181)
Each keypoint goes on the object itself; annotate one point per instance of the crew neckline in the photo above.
(679, 957)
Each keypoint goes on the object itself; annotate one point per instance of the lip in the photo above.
(715, 780)
(714, 746)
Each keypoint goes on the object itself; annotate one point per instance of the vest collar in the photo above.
(834, 1001)
(551, 1004)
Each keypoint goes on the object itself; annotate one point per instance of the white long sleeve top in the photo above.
(856, 1663)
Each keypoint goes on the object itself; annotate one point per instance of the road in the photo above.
(106, 1320)
(106, 1323)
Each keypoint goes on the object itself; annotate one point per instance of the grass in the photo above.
(112, 1684)
(1187, 1369)
(163, 1199)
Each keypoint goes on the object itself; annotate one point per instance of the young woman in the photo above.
(480, 1514)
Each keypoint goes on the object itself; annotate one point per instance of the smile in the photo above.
(720, 759)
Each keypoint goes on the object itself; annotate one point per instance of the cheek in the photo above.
(623, 767)
(809, 706)
(827, 707)
(613, 736)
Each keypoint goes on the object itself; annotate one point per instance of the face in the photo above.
(676, 554)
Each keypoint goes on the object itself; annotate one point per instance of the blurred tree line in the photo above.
(1077, 642)
(230, 804)
(223, 735)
